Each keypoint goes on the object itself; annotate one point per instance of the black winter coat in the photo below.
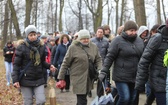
(125, 55)
(153, 57)
(34, 74)
(8, 57)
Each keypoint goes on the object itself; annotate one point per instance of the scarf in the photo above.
(129, 38)
(34, 53)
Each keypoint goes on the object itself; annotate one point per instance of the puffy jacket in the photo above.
(125, 55)
(8, 57)
(102, 45)
(34, 74)
(153, 57)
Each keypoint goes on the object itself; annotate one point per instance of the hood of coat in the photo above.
(163, 30)
(141, 30)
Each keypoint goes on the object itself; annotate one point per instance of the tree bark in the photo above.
(140, 14)
(158, 12)
(28, 12)
(60, 15)
(117, 1)
(97, 14)
(14, 19)
(164, 13)
(5, 28)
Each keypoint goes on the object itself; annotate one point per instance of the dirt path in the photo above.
(68, 98)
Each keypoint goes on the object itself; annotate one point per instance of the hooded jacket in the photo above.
(153, 57)
(141, 30)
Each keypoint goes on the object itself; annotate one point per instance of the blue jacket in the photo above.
(102, 45)
(60, 53)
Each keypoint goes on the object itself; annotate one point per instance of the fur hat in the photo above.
(130, 25)
(83, 34)
(29, 29)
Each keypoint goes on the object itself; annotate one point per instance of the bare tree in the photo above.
(109, 11)
(96, 11)
(158, 12)
(140, 14)
(55, 26)
(28, 12)
(122, 11)
(5, 28)
(78, 13)
(14, 19)
(117, 2)
(60, 15)
(164, 13)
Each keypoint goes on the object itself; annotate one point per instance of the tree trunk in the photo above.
(122, 12)
(140, 15)
(164, 13)
(36, 9)
(80, 15)
(14, 19)
(28, 12)
(5, 28)
(55, 27)
(60, 15)
(158, 12)
(117, 1)
(97, 15)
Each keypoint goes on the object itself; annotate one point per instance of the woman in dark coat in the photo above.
(59, 57)
(125, 51)
(31, 52)
(8, 52)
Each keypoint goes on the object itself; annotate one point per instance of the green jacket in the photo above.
(76, 59)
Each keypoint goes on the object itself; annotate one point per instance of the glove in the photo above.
(102, 76)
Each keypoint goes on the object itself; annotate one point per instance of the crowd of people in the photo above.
(131, 60)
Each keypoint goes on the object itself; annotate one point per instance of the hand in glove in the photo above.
(102, 76)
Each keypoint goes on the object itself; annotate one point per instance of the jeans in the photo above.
(9, 70)
(127, 93)
(148, 89)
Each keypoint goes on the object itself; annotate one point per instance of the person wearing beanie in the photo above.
(107, 32)
(124, 53)
(30, 29)
(77, 59)
(28, 67)
(151, 66)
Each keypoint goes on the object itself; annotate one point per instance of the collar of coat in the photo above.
(76, 42)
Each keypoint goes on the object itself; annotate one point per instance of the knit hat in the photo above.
(83, 34)
(130, 25)
(29, 29)
(43, 36)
